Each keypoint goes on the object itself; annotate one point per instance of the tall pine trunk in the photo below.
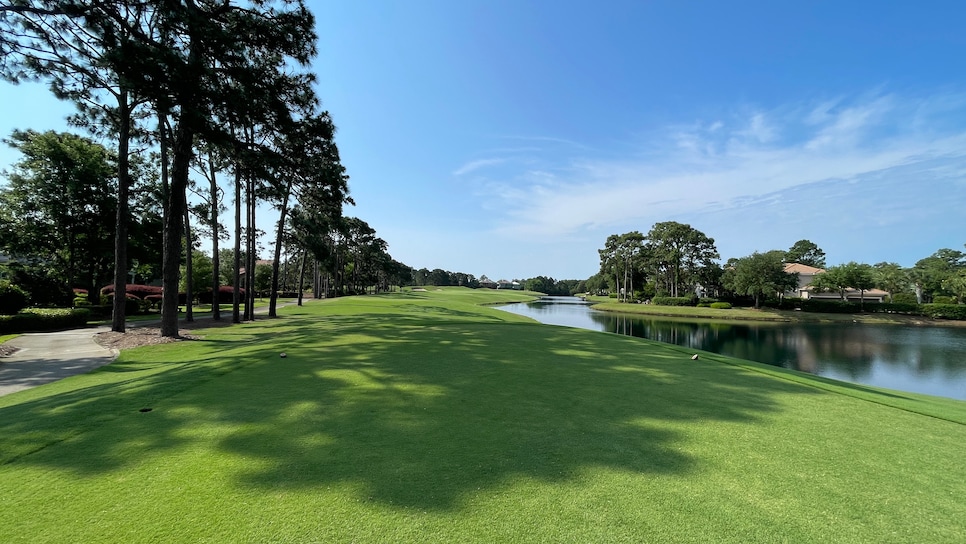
(188, 280)
(237, 288)
(215, 260)
(302, 275)
(120, 223)
(249, 250)
(170, 268)
(273, 300)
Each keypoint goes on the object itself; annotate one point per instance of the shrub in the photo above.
(904, 298)
(82, 302)
(132, 306)
(673, 301)
(829, 306)
(786, 303)
(133, 289)
(225, 295)
(43, 319)
(894, 308)
(42, 287)
(153, 300)
(612, 295)
(721, 305)
(944, 311)
(12, 298)
(706, 304)
(100, 312)
(941, 299)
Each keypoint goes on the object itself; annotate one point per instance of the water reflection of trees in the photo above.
(846, 349)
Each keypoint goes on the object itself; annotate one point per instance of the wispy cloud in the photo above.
(721, 164)
(476, 165)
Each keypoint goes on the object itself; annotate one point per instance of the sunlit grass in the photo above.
(419, 417)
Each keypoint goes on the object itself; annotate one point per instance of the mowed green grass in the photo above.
(422, 417)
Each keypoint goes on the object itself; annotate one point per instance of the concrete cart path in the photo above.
(44, 357)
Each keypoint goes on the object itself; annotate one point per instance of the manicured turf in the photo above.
(420, 417)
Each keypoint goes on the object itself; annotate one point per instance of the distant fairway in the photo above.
(424, 417)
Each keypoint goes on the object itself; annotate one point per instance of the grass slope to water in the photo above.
(606, 304)
(421, 417)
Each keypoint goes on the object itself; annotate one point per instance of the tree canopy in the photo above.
(807, 253)
(58, 208)
(759, 275)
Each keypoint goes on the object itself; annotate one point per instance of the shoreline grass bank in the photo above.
(423, 417)
(605, 304)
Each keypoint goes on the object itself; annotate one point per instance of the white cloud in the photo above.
(721, 164)
(476, 165)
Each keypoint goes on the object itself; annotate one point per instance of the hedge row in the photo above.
(944, 311)
(43, 319)
(133, 289)
(935, 311)
(673, 301)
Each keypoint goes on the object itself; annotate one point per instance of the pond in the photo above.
(930, 360)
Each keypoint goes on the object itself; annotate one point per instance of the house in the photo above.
(503, 284)
(806, 274)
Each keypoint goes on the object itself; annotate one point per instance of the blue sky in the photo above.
(511, 138)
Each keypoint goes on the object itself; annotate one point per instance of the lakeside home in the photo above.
(806, 275)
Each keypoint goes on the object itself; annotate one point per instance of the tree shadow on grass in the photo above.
(415, 412)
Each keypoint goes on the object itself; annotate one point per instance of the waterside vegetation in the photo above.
(606, 304)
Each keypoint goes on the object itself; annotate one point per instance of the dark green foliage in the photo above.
(45, 288)
(550, 286)
(910, 308)
(100, 311)
(225, 295)
(786, 303)
(943, 299)
(760, 275)
(904, 298)
(43, 320)
(679, 255)
(132, 306)
(830, 306)
(944, 311)
(58, 207)
(673, 301)
(721, 305)
(807, 253)
(12, 298)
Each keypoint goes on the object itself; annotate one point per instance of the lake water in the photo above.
(930, 360)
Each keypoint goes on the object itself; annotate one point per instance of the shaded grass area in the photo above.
(418, 417)
(5, 337)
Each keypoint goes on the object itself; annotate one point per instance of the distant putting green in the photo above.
(423, 417)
